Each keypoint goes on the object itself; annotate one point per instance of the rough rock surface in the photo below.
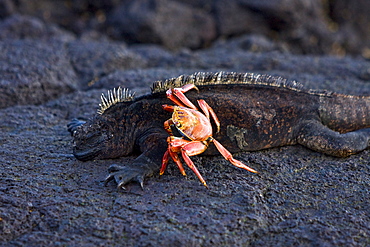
(33, 72)
(48, 198)
(160, 21)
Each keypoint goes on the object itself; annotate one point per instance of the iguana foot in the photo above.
(125, 174)
(318, 137)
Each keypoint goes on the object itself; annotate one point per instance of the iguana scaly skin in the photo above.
(255, 111)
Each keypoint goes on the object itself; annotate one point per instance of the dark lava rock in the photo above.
(25, 27)
(352, 22)
(139, 80)
(78, 16)
(92, 60)
(165, 22)
(7, 8)
(323, 27)
(303, 26)
(33, 72)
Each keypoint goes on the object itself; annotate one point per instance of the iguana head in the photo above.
(90, 140)
(103, 136)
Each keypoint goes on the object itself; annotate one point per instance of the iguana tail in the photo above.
(344, 113)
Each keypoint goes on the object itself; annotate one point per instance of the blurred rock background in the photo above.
(338, 27)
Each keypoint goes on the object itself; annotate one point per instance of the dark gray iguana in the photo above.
(255, 111)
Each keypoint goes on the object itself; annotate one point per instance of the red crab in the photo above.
(195, 129)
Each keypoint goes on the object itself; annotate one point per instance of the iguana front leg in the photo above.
(148, 163)
(318, 137)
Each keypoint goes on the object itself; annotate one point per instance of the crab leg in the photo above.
(190, 149)
(227, 155)
(208, 110)
(187, 148)
(193, 167)
(167, 126)
(165, 159)
(169, 108)
(176, 159)
(181, 99)
(174, 147)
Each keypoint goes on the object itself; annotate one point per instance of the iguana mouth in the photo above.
(89, 148)
(89, 142)
(87, 154)
(88, 151)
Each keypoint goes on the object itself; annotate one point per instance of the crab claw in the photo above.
(209, 111)
(180, 98)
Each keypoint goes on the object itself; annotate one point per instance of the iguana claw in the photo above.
(123, 175)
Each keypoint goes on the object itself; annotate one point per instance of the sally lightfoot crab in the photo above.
(193, 132)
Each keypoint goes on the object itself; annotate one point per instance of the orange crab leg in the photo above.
(227, 155)
(176, 159)
(165, 159)
(190, 149)
(208, 110)
(188, 87)
(193, 167)
(169, 108)
(167, 126)
(187, 148)
(193, 148)
(174, 147)
(181, 99)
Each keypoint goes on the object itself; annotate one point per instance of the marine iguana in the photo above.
(255, 111)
